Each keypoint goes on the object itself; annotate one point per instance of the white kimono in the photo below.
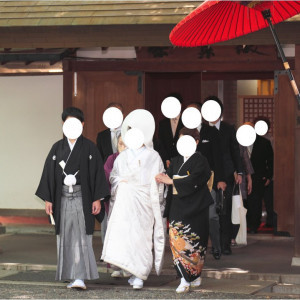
(136, 218)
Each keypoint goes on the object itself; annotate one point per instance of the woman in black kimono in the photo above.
(188, 211)
(74, 205)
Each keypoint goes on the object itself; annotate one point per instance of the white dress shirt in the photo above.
(114, 138)
(217, 125)
(199, 127)
(174, 123)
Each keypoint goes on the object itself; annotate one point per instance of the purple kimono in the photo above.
(108, 166)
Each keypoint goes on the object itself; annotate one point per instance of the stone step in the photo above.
(286, 288)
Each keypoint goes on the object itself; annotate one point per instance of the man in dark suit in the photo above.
(209, 146)
(107, 139)
(232, 166)
(168, 134)
(261, 155)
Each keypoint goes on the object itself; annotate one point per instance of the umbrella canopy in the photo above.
(217, 21)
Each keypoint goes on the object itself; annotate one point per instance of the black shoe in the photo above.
(253, 231)
(211, 251)
(226, 251)
(216, 254)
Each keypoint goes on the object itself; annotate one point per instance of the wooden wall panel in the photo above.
(159, 85)
(284, 162)
(95, 90)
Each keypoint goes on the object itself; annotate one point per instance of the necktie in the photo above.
(115, 141)
(174, 126)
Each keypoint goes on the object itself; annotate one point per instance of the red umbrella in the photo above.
(221, 20)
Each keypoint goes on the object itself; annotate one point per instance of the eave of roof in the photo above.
(114, 12)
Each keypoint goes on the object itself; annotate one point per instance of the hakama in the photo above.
(76, 257)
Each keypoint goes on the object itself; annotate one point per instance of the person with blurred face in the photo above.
(135, 231)
(168, 134)
(107, 139)
(262, 157)
(209, 146)
(188, 211)
(108, 166)
(232, 166)
(72, 185)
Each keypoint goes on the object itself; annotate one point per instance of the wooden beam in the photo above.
(173, 66)
(237, 75)
(124, 35)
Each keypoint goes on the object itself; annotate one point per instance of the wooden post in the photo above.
(67, 85)
(296, 258)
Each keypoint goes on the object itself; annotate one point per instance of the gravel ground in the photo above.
(19, 291)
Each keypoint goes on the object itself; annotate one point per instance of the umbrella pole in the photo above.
(267, 15)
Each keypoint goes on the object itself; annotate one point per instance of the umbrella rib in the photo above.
(214, 29)
(257, 22)
(291, 7)
(236, 27)
(278, 12)
(229, 8)
(206, 31)
(188, 31)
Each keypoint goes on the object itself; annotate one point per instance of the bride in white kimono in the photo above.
(136, 222)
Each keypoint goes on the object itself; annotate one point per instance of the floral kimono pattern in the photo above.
(188, 253)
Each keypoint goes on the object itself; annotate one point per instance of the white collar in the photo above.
(199, 127)
(176, 119)
(185, 158)
(71, 145)
(217, 125)
(115, 129)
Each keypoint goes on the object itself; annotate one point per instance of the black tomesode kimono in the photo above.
(188, 214)
(84, 157)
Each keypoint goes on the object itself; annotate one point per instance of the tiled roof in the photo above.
(109, 12)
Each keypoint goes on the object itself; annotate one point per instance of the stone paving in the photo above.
(27, 270)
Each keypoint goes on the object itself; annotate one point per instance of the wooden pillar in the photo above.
(284, 154)
(67, 85)
(296, 258)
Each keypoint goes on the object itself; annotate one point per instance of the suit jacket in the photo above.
(166, 139)
(210, 146)
(193, 194)
(104, 144)
(230, 149)
(262, 157)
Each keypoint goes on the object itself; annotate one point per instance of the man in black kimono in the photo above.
(232, 166)
(74, 203)
(210, 146)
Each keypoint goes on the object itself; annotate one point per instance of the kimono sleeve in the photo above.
(101, 189)
(114, 177)
(197, 179)
(46, 188)
(170, 172)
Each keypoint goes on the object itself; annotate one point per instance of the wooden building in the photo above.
(54, 31)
